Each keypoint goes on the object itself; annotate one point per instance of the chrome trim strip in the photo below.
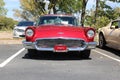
(60, 38)
(91, 45)
(28, 45)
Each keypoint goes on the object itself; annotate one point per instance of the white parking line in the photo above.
(115, 59)
(10, 58)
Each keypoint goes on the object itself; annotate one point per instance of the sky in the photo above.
(10, 5)
(15, 4)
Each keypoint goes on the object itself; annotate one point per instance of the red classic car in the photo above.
(59, 33)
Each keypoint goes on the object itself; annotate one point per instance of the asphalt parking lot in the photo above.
(102, 65)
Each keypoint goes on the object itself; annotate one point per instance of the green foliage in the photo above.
(29, 10)
(70, 6)
(97, 17)
(32, 9)
(3, 11)
(101, 22)
(103, 15)
(7, 23)
(115, 0)
(116, 13)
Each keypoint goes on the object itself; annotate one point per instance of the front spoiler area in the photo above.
(32, 45)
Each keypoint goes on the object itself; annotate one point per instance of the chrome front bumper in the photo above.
(32, 45)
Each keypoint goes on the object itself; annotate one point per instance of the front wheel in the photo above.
(85, 54)
(101, 41)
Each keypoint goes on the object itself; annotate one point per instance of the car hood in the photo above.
(59, 31)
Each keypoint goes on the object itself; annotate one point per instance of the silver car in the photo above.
(19, 29)
(110, 35)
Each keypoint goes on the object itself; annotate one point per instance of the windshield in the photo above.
(25, 24)
(58, 20)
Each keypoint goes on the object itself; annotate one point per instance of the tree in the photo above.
(102, 15)
(6, 23)
(84, 3)
(29, 12)
(3, 11)
(37, 9)
(114, 0)
(96, 10)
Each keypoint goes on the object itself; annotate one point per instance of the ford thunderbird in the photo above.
(59, 33)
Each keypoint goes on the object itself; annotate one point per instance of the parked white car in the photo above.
(19, 29)
(110, 35)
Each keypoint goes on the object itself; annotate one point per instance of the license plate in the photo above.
(60, 48)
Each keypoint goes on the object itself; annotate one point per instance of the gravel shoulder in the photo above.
(6, 37)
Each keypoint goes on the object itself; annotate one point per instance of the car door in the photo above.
(118, 38)
(114, 35)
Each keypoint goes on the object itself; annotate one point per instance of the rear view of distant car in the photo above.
(19, 29)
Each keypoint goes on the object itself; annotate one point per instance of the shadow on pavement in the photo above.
(114, 51)
(54, 56)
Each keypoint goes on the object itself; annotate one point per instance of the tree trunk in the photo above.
(96, 11)
(83, 12)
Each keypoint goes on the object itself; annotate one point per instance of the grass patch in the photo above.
(10, 31)
(12, 38)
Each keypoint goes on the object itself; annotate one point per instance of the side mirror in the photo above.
(114, 27)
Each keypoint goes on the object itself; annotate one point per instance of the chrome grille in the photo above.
(72, 43)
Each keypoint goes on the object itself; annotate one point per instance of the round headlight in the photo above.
(90, 33)
(29, 32)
